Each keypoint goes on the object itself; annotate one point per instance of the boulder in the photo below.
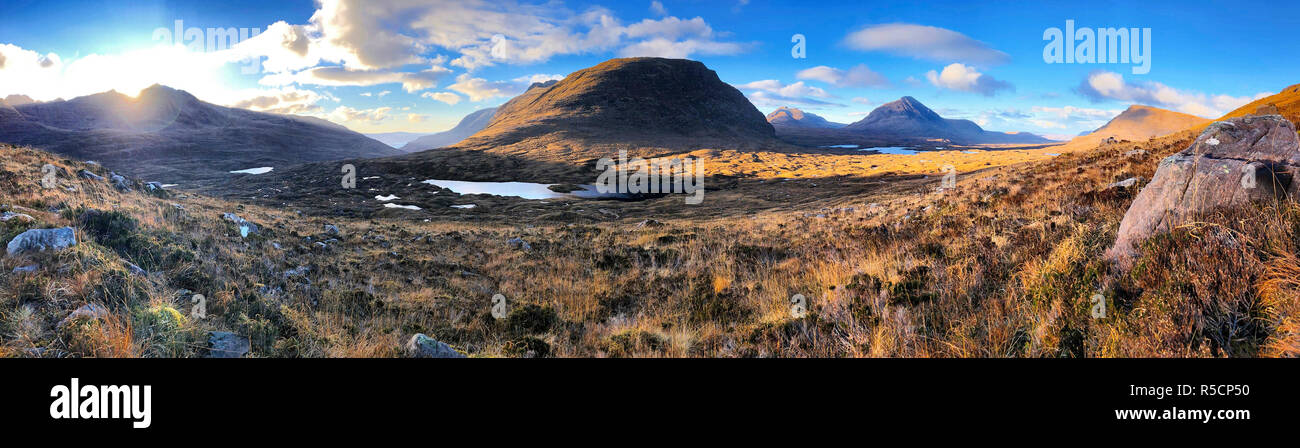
(1232, 162)
(519, 243)
(19, 216)
(224, 344)
(120, 182)
(89, 175)
(36, 240)
(331, 229)
(88, 311)
(26, 269)
(1124, 184)
(421, 346)
(245, 228)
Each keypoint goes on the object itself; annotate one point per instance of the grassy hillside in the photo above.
(1005, 265)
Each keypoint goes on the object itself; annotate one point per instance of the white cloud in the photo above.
(341, 76)
(387, 34)
(858, 76)
(479, 89)
(344, 115)
(925, 42)
(965, 78)
(657, 7)
(771, 92)
(446, 97)
(282, 101)
(416, 118)
(1101, 86)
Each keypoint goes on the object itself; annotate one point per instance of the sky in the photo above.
(421, 65)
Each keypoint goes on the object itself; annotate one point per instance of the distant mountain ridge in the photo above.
(908, 118)
(168, 135)
(467, 126)
(788, 116)
(1139, 123)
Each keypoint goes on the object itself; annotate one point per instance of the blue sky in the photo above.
(439, 61)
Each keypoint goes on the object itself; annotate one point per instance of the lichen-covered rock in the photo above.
(422, 346)
(224, 344)
(245, 228)
(1233, 162)
(37, 240)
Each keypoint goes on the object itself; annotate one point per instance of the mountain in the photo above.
(673, 102)
(170, 136)
(556, 132)
(1287, 103)
(908, 119)
(395, 139)
(469, 125)
(1139, 123)
(16, 100)
(787, 116)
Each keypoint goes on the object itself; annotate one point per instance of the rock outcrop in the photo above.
(422, 346)
(1232, 162)
(36, 240)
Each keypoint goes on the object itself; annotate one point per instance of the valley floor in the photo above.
(792, 255)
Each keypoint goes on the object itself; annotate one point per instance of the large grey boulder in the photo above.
(36, 240)
(245, 228)
(1233, 162)
(421, 346)
(224, 344)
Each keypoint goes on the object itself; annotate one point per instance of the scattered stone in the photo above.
(1257, 159)
(519, 243)
(136, 270)
(88, 311)
(224, 344)
(421, 346)
(1136, 153)
(649, 223)
(19, 216)
(26, 269)
(89, 175)
(36, 240)
(119, 182)
(245, 228)
(331, 229)
(154, 186)
(1124, 184)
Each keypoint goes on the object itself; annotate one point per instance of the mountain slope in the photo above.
(1287, 102)
(673, 102)
(469, 125)
(170, 136)
(1139, 123)
(787, 116)
(907, 118)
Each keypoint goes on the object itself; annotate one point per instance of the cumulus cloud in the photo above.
(282, 101)
(771, 92)
(858, 76)
(387, 34)
(657, 7)
(925, 42)
(964, 78)
(446, 97)
(416, 118)
(479, 89)
(1103, 85)
(344, 114)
